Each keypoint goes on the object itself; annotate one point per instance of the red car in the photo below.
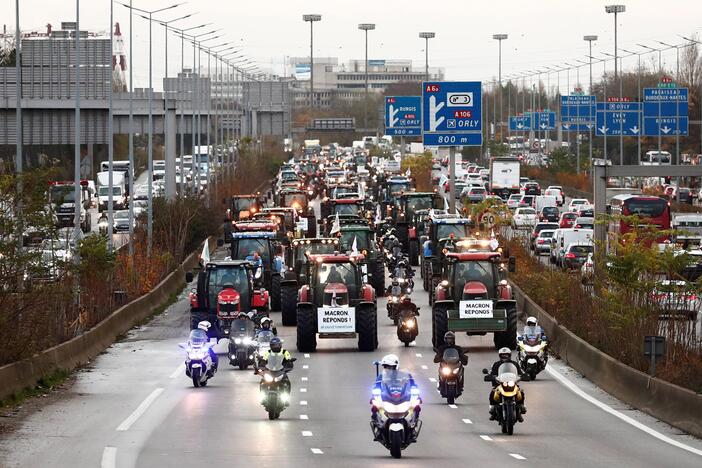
(567, 220)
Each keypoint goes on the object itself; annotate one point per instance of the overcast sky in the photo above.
(541, 32)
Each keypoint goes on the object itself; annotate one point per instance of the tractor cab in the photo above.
(244, 207)
(293, 198)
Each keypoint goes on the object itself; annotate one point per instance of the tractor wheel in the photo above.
(275, 292)
(306, 330)
(440, 323)
(508, 338)
(288, 304)
(432, 291)
(414, 252)
(367, 327)
(378, 280)
(311, 227)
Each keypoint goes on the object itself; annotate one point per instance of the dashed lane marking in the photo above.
(179, 370)
(316, 451)
(306, 433)
(418, 354)
(141, 409)
(304, 417)
(303, 402)
(303, 390)
(304, 379)
(517, 456)
(432, 379)
(424, 367)
(484, 437)
(109, 457)
(453, 406)
(468, 421)
(307, 355)
(305, 366)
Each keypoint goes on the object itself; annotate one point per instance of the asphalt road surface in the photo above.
(134, 407)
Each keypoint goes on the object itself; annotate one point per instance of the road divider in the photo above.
(141, 409)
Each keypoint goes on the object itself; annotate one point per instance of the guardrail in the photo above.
(663, 400)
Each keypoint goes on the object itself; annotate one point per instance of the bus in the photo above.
(656, 158)
(654, 211)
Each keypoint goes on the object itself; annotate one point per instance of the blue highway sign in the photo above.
(618, 118)
(452, 113)
(403, 115)
(545, 120)
(665, 111)
(520, 123)
(577, 113)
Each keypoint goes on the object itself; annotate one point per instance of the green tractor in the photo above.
(407, 214)
(364, 238)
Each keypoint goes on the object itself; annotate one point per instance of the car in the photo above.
(685, 195)
(555, 191)
(538, 228)
(474, 194)
(532, 188)
(549, 213)
(542, 243)
(120, 220)
(458, 188)
(513, 201)
(577, 203)
(585, 212)
(524, 218)
(567, 220)
(676, 299)
(583, 222)
(526, 200)
(575, 255)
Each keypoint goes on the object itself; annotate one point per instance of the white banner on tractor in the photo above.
(336, 319)
(475, 309)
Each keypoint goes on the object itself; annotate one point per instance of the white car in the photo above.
(513, 201)
(524, 218)
(555, 191)
(577, 203)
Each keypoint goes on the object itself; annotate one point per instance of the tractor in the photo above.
(225, 288)
(338, 302)
(297, 257)
(438, 230)
(364, 237)
(474, 297)
(408, 213)
(245, 244)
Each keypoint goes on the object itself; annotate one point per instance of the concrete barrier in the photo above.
(79, 350)
(663, 400)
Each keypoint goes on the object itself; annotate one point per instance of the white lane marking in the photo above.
(305, 366)
(307, 355)
(141, 409)
(303, 402)
(484, 437)
(608, 409)
(109, 457)
(306, 433)
(179, 370)
(432, 379)
(304, 379)
(453, 406)
(418, 354)
(424, 367)
(316, 451)
(517, 456)
(303, 390)
(468, 421)
(304, 417)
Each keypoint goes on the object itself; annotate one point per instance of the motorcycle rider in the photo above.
(267, 325)
(390, 363)
(505, 355)
(199, 337)
(532, 328)
(277, 349)
(450, 343)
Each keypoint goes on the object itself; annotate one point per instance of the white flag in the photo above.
(354, 246)
(408, 173)
(336, 227)
(446, 204)
(378, 215)
(205, 255)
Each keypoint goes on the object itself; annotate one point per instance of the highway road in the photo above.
(134, 407)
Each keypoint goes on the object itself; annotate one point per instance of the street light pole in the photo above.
(616, 9)
(499, 38)
(366, 27)
(590, 38)
(311, 18)
(76, 161)
(426, 36)
(110, 150)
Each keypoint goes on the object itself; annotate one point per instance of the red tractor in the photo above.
(224, 290)
(338, 302)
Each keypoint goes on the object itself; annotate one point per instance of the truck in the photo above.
(62, 200)
(504, 177)
(312, 148)
(119, 190)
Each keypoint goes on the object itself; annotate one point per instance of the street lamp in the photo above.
(499, 38)
(426, 36)
(311, 18)
(616, 9)
(150, 163)
(366, 27)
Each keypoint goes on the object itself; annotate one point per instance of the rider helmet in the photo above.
(276, 344)
(390, 361)
(531, 321)
(204, 325)
(266, 323)
(505, 354)
(449, 338)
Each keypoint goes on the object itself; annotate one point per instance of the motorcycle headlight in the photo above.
(285, 397)
(409, 323)
(455, 371)
(446, 370)
(268, 378)
(237, 340)
(509, 384)
(401, 280)
(246, 341)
